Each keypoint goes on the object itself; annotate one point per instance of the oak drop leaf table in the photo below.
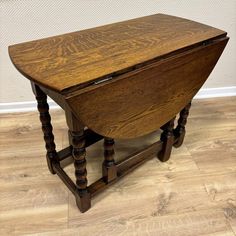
(118, 81)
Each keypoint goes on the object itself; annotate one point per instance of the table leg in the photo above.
(109, 169)
(77, 140)
(167, 137)
(180, 131)
(47, 128)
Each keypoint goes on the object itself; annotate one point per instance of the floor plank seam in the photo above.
(194, 193)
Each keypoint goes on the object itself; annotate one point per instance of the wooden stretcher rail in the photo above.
(64, 177)
(90, 138)
(123, 168)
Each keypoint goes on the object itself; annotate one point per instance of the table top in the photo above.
(77, 59)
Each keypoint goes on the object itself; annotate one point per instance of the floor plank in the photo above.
(210, 223)
(194, 193)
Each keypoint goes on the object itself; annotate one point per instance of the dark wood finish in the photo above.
(122, 80)
(64, 153)
(123, 167)
(109, 170)
(136, 159)
(147, 98)
(77, 141)
(126, 166)
(90, 139)
(79, 153)
(180, 131)
(66, 61)
(65, 178)
(168, 139)
(45, 120)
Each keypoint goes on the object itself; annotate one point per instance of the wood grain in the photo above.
(68, 60)
(178, 225)
(194, 192)
(140, 102)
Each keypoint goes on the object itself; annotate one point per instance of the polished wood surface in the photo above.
(45, 120)
(180, 129)
(191, 195)
(67, 61)
(139, 102)
(109, 170)
(77, 140)
(168, 139)
(169, 59)
(122, 88)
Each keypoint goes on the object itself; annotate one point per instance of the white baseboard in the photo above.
(32, 105)
(10, 107)
(216, 92)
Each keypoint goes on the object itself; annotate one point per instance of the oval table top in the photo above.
(77, 59)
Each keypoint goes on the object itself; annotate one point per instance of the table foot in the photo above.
(83, 200)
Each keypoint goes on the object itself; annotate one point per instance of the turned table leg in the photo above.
(77, 140)
(180, 131)
(45, 119)
(167, 137)
(109, 168)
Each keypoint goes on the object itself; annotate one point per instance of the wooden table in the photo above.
(118, 81)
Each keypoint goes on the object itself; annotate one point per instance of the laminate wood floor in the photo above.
(193, 194)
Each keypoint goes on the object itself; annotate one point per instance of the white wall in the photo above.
(24, 20)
